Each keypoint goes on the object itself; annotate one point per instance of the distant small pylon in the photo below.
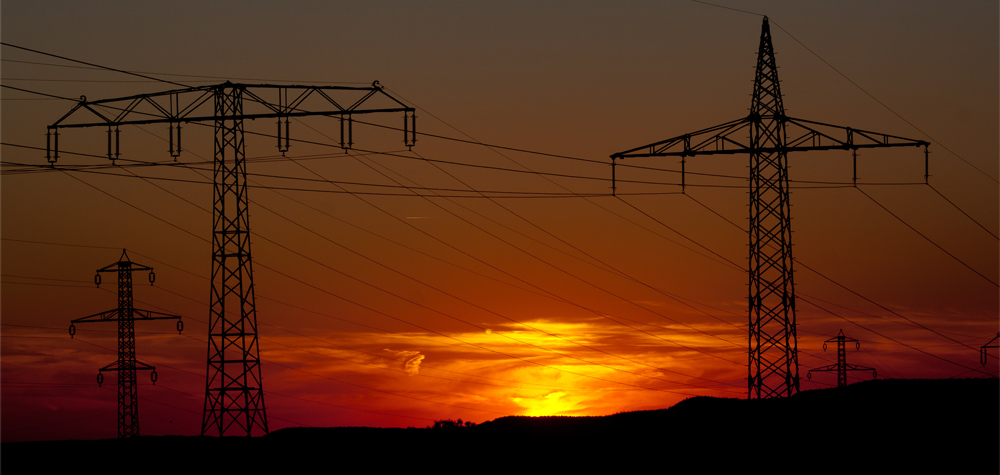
(842, 367)
(994, 343)
(126, 365)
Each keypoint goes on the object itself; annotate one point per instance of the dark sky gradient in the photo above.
(399, 310)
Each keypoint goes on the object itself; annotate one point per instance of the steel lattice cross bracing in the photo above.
(767, 135)
(126, 365)
(234, 394)
(774, 362)
(841, 367)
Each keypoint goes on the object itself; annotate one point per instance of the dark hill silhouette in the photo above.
(950, 426)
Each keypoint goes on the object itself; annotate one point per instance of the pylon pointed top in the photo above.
(765, 29)
(124, 263)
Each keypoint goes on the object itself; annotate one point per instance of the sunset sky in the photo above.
(544, 295)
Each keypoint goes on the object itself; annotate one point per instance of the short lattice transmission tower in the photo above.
(767, 135)
(234, 393)
(842, 367)
(126, 365)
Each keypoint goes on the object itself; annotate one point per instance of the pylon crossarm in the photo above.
(112, 316)
(117, 267)
(994, 343)
(105, 316)
(139, 366)
(186, 105)
(801, 135)
(708, 141)
(124, 263)
(837, 338)
(151, 315)
(110, 367)
(851, 367)
(806, 135)
(822, 369)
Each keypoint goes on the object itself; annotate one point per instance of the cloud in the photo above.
(411, 360)
(412, 365)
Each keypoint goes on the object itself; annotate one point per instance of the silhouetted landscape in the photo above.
(946, 426)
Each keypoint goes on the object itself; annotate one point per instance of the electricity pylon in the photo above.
(994, 343)
(842, 367)
(126, 366)
(234, 394)
(767, 135)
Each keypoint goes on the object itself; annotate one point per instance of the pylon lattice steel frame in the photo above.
(841, 367)
(234, 395)
(126, 366)
(767, 135)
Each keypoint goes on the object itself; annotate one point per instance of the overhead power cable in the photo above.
(814, 304)
(835, 282)
(604, 266)
(894, 215)
(856, 85)
(410, 323)
(852, 291)
(960, 210)
(94, 65)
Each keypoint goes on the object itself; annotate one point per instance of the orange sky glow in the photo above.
(381, 304)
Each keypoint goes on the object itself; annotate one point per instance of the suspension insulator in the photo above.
(152, 277)
(824, 346)
(283, 135)
(72, 330)
(153, 376)
(409, 129)
(97, 279)
(874, 374)
(175, 136)
(809, 375)
(857, 345)
(117, 143)
(100, 379)
(51, 154)
(180, 326)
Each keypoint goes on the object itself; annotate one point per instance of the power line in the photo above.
(814, 304)
(453, 296)
(855, 84)
(927, 238)
(202, 76)
(410, 323)
(960, 210)
(600, 314)
(606, 267)
(94, 65)
(904, 119)
(837, 283)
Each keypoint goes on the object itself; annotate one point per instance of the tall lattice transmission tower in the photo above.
(234, 394)
(126, 365)
(767, 135)
(841, 367)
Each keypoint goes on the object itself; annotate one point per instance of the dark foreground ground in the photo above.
(927, 426)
